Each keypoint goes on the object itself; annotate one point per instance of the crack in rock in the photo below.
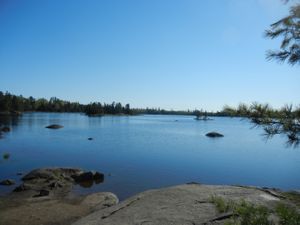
(219, 218)
(113, 212)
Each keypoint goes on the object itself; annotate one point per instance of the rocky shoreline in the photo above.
(45, 197)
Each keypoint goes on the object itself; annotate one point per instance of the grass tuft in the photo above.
(245, 213)
(287, 215)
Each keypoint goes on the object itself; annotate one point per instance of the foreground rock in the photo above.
(56, 181)
(52, 211)
(45, 198)
(54, 126)
(214, 134)
(180, 205)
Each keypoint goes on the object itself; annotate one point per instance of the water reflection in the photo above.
(144, 152)
(90, 183)
(7, 120)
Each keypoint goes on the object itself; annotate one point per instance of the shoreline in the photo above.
(34, 205)
(170, 205)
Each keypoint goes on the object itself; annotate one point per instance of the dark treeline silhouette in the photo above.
(197, 113)
(96, 108)
(10, 103)
(159, 111)
(14, 104)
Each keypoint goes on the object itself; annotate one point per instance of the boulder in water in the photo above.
(214, 135)
(54, 126)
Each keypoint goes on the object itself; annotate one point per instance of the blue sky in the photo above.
(174, 54)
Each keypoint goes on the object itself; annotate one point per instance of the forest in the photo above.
(13, 104)
(274, 121)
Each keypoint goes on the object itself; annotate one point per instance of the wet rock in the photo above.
(83, 177)
(52, 173)
(19, 209)
(5, 129)
(54, 126)
(58, 181)
(214, 134)
(98, 176)
(7, 182)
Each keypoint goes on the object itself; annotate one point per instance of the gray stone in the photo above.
(51, 173)
(179, 205)
(100, 200)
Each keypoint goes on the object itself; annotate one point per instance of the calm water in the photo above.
(142, 152)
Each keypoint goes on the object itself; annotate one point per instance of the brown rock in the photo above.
(7, 182)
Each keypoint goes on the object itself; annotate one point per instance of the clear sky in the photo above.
(174, 54)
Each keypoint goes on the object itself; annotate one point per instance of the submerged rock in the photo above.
(5, 129)
(83, 177)
(57, 180)
(98, 176)
(43, 207)
(54, 126)
(214, 134)
(7, 182)
(90, 139)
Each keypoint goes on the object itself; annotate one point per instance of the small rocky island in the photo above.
(45, 197)
(54, 126)
(214, 135)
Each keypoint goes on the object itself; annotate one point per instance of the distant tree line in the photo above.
(159, 111)
(10, 103)
(96, 108)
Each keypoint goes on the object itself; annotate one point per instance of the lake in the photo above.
(142, 152)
